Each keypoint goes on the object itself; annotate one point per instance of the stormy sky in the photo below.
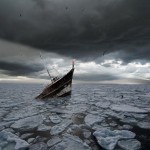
(109, 39)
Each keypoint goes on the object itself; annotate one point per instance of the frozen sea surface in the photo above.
(94, 117)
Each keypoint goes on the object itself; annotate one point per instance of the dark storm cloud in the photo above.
(16, 69)
(79, 28)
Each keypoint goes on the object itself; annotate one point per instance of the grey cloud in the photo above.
(96, 77)
(80, 29)
(16, 69)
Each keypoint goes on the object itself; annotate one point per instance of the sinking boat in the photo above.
(59, 87)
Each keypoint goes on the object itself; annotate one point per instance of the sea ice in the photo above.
(9, 140)
(30, 140)
(126, 127)
(139, 116)
(57, 111)
(75, 143)
(6, 124)
(78, 108)
(38, 146)
(1, 128)
(53, 141)
(129, 120)
(43, 127)
(9, 130)
(22, 113)
(86, 133)
(2, 113)
(108, 139)
(60, 127)
(127, 108)
(71, 142)
(26, 135)
(28, 124)
(98, 127)
(103, 104)
(92, 119)
(144, 125)
(113, 124)
(111, 113)
(131, 144)
(55, 119)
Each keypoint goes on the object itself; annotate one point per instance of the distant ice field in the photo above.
(95, 116)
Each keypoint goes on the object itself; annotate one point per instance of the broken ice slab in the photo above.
(28, 124)
(38, 146)
(144, 125)
(60, 127)
(43, 127)
(92, 119)
(103, 104)
(55, 118)
(22, 113)
(10, 141)
(108, 138)
(127, 108)
(131, 144)
(71, 142)
(55, 140)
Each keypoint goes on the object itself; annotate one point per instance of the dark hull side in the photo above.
(60, 88)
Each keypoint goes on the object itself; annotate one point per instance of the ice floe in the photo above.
(126, 126)
(144, 125)
(6, 124)
(92, 119)
(108, 139)
(131, 144)
(38, 146)
(127, 108)
(60, 127)
(78, 108)
(26, 135)
(10, 141)
(129, 120)
(43, 127)
(55, 140)
(28, 124)
(55, 118)
(22, 113)
(103, 104)
(62, 123)
(86, 133)
(57, 111)
(30, 140)
(71, 142)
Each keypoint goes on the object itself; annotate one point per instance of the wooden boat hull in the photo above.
(60, 88)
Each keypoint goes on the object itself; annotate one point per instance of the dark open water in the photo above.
(90, 108)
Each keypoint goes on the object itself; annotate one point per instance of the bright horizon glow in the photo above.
(132, 73)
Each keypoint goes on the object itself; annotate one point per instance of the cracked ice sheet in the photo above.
(131, 144)
(78, 108)
(144, 125)
(103, 104)
(90, 119)
(57, 129)
(9, 140)
(71, 142)
(28, 124)
(127, 108)
(108, 139)
(22, 113)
